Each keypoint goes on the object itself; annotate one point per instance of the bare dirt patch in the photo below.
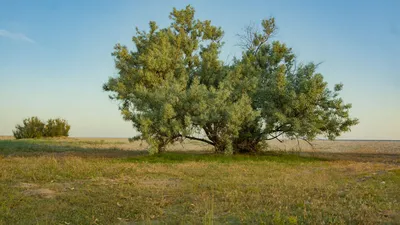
(167, 182)
(27, 185)
(147, 182)
(32, 189)
(41, 192)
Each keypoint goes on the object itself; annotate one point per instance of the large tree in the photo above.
(173, 86)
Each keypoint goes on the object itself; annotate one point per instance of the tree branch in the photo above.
(198, 139)
(308, 142)
(276, 136)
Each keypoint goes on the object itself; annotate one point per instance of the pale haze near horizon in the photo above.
(55, 55)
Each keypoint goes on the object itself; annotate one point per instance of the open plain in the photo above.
(112, 181)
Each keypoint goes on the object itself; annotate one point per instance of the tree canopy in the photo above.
(173, 86)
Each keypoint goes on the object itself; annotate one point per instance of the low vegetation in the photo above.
(81, 181)
(35, 128)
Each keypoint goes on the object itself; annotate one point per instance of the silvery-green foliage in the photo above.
(173, 86)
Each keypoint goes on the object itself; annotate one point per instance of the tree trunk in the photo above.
(246, 146)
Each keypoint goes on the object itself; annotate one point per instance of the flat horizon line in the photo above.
(318, 139)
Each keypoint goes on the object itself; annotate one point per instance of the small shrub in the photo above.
(56, 128)
(34, 128)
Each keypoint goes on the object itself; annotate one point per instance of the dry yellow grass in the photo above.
(93, 181)
(323, 146)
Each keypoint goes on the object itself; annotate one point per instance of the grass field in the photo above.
(111, 181)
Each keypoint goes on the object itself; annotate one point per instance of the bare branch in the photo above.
(308, 142)
(275, 137)
(198, 139)
(247, 38)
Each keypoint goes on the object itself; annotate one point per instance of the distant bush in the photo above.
(34, 128)
(56, 128)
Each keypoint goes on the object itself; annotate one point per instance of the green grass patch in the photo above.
(37, 147)
(181, 157)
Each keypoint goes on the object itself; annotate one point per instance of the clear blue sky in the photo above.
(55, 55)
